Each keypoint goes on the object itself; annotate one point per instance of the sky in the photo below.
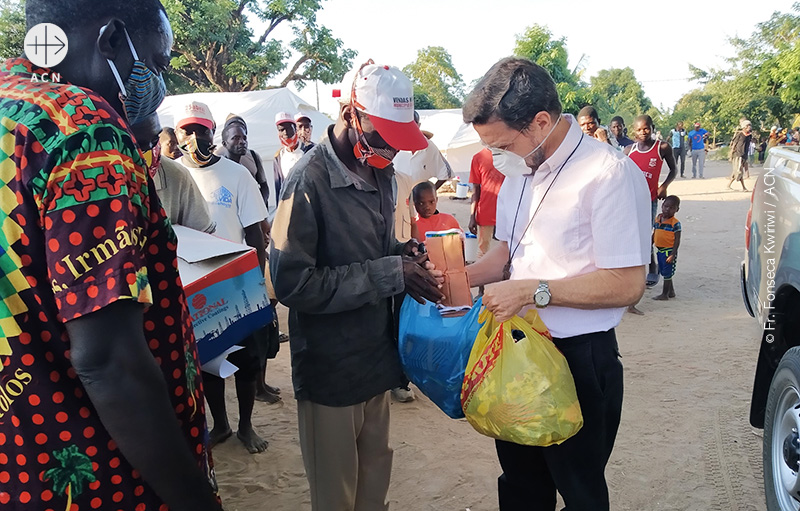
(657, 40)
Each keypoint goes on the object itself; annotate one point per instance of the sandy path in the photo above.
(684, 441)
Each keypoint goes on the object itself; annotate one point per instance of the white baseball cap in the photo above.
(282, 117)
(386, 95)
(197, 113)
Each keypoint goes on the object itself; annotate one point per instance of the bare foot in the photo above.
(217, 437)
(672, 294)
(633, 310)
(661, 297)
(274, 390)
(252, 442)
(265, 396)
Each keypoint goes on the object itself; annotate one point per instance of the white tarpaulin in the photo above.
(258, 108)
(458, 142)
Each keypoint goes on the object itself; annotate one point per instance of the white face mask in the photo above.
(512, 165)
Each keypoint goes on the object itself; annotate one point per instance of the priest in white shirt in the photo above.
(573, 220)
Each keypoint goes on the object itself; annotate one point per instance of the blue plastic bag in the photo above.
(434, 351)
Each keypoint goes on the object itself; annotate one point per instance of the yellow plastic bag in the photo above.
(520, 391)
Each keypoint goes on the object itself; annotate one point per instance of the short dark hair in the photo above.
(514, 90)
(675, 199)
(589, 111)
(619, 119)
(169, 131)
(645, 118)
(136, 14)
(421, 187)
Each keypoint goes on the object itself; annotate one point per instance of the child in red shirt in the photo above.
(429, 219)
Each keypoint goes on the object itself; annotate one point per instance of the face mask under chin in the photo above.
(379, 158)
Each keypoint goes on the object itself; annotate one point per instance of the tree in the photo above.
(537, 44)
(772, 54)
(12, 28)
(617, 92)
(437, 84)
(421, 99)
(761, 83)
(216, 48)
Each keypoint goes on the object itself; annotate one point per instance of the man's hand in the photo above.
(672, 257)
(506, 299)
(412, 248)
(421, 284)
(662, 192)
(473, 225)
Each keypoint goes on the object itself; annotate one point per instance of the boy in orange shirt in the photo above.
(667, 239)
(429, 219)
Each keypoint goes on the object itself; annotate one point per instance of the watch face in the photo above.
(542, 298)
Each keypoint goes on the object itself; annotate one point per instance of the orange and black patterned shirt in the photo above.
(79, 229)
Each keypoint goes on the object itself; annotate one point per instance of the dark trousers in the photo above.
(677, 152)
(576, 468)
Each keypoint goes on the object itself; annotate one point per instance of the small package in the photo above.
(446, 251)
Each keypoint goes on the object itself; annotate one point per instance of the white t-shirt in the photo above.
(288, 160)
(233, 198)
(595, 216)
(410, 170)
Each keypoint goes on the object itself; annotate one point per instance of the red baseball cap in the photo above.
(386, 95)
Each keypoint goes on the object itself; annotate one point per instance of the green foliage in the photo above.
(437, 84)
(12, 28)
(761, 83)
(421, 99)
(216, 49)
(617, 92)
(721, 154)
(537, 44)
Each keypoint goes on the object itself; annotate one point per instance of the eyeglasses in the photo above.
(503, 149)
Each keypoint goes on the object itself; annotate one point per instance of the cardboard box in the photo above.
(446, 252)
(224, 288)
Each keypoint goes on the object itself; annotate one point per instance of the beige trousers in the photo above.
(346, 454)
(485, 235)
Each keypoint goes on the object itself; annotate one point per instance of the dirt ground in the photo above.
(684, 441)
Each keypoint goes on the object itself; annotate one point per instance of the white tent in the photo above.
(258, 108)
(459, 142)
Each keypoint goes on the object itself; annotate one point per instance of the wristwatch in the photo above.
(542, 295)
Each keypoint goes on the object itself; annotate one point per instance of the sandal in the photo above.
(652, 279)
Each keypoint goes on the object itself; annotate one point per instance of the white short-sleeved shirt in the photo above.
(595, 216)
(233, 197)
(423, 165)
